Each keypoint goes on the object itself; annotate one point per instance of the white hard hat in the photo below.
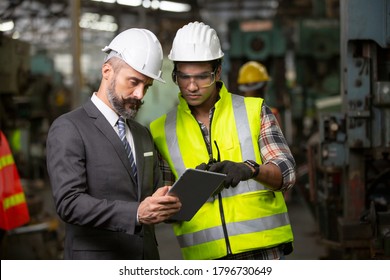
(196, 42)
(140, 49)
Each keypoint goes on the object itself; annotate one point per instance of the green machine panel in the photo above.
(318, 38)
(256, 39)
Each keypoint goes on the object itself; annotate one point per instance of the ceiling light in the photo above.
(7, 26)
(97, 22)
(169, 6)
(16, 35)
(105, 1)
(174, 7)
(146, 3)
(155, 4)
(133, 3)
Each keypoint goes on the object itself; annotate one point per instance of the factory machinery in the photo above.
(31, 96)
(331, 84)
(336, 116)
(349, 164)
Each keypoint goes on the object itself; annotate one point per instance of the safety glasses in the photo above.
(202, 80)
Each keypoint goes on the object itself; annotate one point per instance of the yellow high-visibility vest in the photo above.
(247, 217)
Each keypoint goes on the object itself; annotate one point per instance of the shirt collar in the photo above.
(107, 112)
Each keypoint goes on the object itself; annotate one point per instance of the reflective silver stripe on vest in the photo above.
(243, 187)
(244, 135)
(237, 228)
(242, 127)
(173, 146)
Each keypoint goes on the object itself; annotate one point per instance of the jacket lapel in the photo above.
(104, 126)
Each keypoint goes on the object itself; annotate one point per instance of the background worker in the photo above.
(102, 165)
(237, 136)
(13, 205)
(253, 81)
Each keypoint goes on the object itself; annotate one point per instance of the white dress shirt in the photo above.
(112, 118)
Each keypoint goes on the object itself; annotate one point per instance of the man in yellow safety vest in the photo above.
(238, 136)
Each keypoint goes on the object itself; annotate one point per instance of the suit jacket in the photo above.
(94, 191)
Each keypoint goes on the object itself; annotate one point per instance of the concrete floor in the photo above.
(306, 245)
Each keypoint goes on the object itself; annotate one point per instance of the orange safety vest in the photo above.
(13, 206)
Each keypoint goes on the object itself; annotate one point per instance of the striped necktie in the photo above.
(122, 136)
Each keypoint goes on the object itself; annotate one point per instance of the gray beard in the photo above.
(119, 104)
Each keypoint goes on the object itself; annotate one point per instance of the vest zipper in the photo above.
(222, 215)
(221, 212)
(211, 161)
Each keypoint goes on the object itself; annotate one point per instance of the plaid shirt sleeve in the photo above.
(274, 148)
(167, 174)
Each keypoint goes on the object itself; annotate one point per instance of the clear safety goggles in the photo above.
(202, 80)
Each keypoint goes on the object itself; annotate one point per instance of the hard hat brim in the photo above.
(111, 53)
(249, 87)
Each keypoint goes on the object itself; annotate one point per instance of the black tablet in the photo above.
(193, 188)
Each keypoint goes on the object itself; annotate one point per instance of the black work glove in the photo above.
(202, 166)
(206, 166)
(235, 171)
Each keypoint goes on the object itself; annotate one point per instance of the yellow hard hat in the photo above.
(252, 72)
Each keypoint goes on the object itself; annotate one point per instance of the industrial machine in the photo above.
(317, 66)
(340, 116)
(349, 164)
(29, 100)
(262, 40)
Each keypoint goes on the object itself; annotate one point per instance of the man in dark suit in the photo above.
(109, 203)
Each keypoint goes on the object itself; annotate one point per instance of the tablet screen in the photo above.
(193, 189)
